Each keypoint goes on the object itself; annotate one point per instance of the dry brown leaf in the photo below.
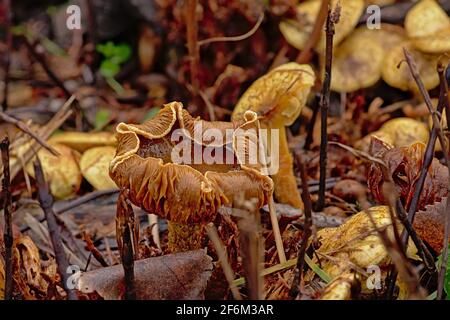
(28, 274)
(429, 224)
(180, 276)
(404, 164)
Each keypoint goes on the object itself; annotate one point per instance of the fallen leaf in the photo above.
(404, 165)
(180, 276)
(429, 224)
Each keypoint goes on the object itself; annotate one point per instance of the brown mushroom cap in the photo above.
(178, 192)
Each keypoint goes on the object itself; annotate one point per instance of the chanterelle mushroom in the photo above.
(179, 181)
(278, 98)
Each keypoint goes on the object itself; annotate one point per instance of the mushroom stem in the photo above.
(184, 237)
(286, 190)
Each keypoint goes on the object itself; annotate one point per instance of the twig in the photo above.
(153, 223)
(305, 55)
(22, 126)
(223, 259)
(276, 230)
(307, 230)
(332, 19)
(311, 124)
(438, 131)
(93, 250)
(46, 202)
(63, 206)
(126, 234)
(8, 232)
(41, 60)
(234, 38)
(7, 57)
(444, 99)
(252, 250)
(44, 133)
(192, 41)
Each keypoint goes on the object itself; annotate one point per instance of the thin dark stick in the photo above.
(126, 241)
(22, 126)
(307, 230)
(7, 60)
(41, 60)
(443, 98)
(311, 124)
(8, 233)
(423, 251)
(437, 127)
(64, 206)
(92, 25)
(46, 202)
(192, 39)
(325, 102)
(306, 54)
(94, 251)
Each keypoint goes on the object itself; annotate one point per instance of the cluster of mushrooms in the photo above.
(190, 195)
(362, 56)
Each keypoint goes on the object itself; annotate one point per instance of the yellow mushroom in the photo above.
(354, 247)
(397, 74)
(61, 172)
(81, 141)
(278, 98)
(428, 25)
(94, 165)
(298, 33)
(358, 60)
(398, 132)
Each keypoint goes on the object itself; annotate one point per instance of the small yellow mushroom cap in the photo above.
(94, 165)
(298, 32)
(279, 96)
(426, 18)
(396, 72)
(357, 64)
(398, 132)
(81, 141)
(428, 25)
(61, 172)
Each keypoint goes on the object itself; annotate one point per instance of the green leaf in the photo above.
(432, 296)
(106, 49)
(447, 273)
(109, 69)
(122, 53)
(322, 274)
(101, 119)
